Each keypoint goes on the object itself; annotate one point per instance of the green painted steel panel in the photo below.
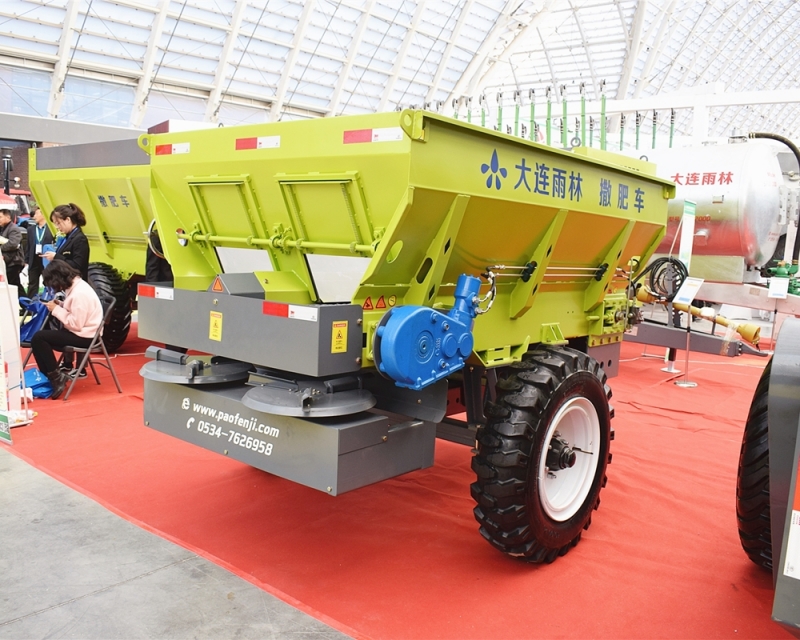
(422, 197)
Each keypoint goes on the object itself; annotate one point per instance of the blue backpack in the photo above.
(36, 315)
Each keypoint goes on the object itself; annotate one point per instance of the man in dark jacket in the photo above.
(39, 234)
(11, 247)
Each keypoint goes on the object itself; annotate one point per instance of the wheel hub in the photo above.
(565, 478)
(559, 454)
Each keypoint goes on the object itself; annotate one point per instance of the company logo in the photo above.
(494, 170)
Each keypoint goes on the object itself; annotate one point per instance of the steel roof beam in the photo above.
(711, 37)
(689, 101)
(549, 61)
(634, 45)
(476, 73)
(56, 98)
(215, 97)
(401, 56)
(472, 74)
(448, 52)
(291, 59)
(692, 67)
(584, 40)
(355, 44)
(661, 40)
(146, 79)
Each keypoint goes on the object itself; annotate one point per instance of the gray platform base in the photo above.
(333, 455)
(784, 458)
(662, 336)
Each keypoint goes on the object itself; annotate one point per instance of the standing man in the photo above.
(11, 247)
(38, 236)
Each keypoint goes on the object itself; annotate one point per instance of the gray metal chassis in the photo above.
(333, 455)
(783, 418)
(301, 344)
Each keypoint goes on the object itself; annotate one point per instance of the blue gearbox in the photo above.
(416, 346)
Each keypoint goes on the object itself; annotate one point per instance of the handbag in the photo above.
(38, 383)
(34, 319)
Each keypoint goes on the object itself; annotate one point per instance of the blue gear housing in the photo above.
(416, 346)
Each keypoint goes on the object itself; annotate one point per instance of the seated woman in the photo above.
(80, 314)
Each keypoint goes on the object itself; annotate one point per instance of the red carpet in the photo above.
(403, 558)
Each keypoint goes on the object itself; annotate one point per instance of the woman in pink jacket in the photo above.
(80, 314)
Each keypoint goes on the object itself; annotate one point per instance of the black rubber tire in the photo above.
(752, 482)
(510, 446)
(106, 280)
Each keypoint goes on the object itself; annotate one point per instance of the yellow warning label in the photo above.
(215, 326)
(339, 337)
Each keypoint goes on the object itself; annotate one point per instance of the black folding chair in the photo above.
(97, 346)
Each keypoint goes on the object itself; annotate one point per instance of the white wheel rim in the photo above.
(563, 491)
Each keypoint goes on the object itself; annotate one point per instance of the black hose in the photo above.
(659, 271)
(796, 152)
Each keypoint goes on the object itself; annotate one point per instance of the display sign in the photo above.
(10, 363)
(687, 233)
(688, 291)
(778, 288)
(5, 431)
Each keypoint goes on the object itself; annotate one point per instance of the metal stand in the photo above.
(670, 368)
(686, 383)
(671, 353)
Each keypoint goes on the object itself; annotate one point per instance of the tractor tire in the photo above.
(542, 456)
(106, 280)
(752, 482)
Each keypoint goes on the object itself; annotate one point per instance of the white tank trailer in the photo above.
(746, 192)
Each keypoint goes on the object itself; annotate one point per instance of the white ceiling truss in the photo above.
(127, 62)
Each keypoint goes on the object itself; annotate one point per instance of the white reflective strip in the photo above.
(268, 142)
(389, 134)
(181, 147)
(303, 313)
(165, 293)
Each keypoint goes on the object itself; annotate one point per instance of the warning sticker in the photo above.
(791, 567)
(367, 306)
(302, 313)
(217, 285)
(381, 303)
(215, 326)
(339, 337)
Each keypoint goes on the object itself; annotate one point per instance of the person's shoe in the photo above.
(58, 380)
(73, 373)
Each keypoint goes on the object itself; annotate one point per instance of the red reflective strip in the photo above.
(163, 149)
(358, 135)
(275, 309)
(246, 143)
(147, 290)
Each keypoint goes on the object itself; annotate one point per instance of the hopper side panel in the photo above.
(308, 186)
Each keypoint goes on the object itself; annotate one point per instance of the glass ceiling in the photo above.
(139, 62)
